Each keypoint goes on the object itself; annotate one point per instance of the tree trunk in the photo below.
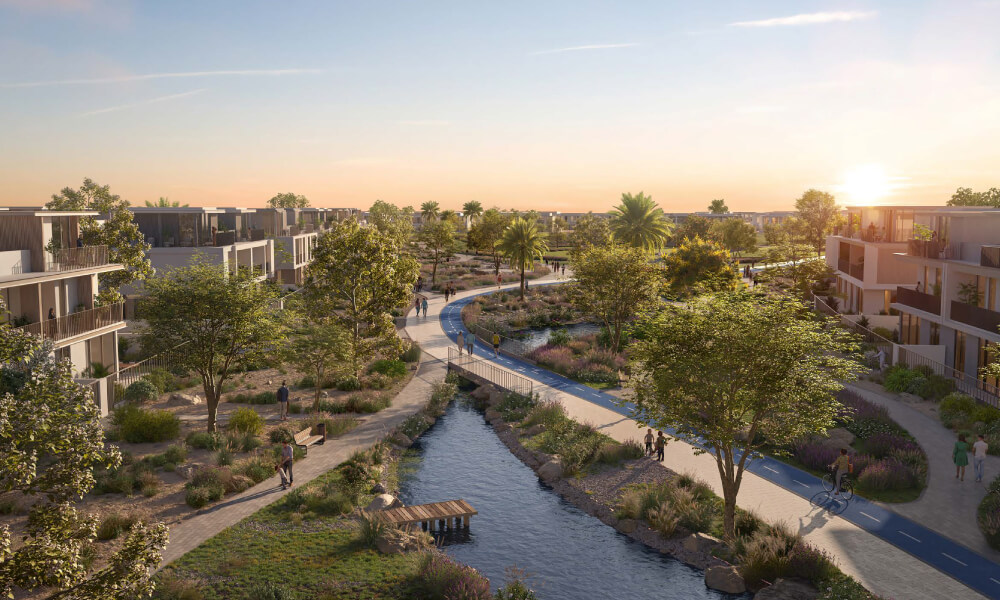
(212, 402)
(522, 283)
(434, 273)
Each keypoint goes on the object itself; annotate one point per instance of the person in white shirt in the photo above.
(979, 456)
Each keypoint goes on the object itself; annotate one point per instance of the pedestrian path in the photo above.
(886, 552)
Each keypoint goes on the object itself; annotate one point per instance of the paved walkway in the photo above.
(209, 521)
(947, 506)
(866, 538)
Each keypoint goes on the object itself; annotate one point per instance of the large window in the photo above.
(960, 351)
(935, 334)
(911, 329)
(987, 355)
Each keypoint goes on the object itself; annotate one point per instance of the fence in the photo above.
(867, 335)
(77, 323)
(508, 345)
(487, 371)
(968, 385)
(65, 259)
(125, 377)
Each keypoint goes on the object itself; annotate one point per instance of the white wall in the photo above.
(21, 259)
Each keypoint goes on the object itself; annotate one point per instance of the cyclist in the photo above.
(843, 466)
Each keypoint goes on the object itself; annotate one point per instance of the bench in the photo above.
(310, 436)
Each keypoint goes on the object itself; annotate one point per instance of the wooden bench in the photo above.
(310, 436)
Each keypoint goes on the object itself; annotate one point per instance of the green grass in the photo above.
(602, 385)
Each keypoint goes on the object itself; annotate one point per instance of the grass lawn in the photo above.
(602, 386)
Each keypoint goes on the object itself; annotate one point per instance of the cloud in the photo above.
(151, 76)
(590, 47)
(102, 111)
(809, 19)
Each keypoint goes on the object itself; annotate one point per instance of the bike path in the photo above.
(957, 561)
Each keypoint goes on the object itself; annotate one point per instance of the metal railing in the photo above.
(867, 335)
(66, 259)
(919, 300)
(483, 369)
(129, 375)
(981, 318)
(77, 323)
(508, 345)
(965, 383)
(989, 256)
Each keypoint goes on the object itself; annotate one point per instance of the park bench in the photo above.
(311, 435)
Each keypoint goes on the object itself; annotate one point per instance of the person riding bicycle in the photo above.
(843, 466)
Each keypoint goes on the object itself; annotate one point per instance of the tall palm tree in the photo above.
(639, 222)
(430, 210)
(523, 244)
(448, 215)
(164, 203)
(473, 210)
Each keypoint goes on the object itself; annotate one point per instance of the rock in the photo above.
(324, 394)
(627, 526)
(911, 398)
(185, 471)
(533, 430)
(401, 440)
(269, 382)
(378, 488)
(178, 399)
(382, 502)
(835, 438)
(495, 397)
(480, 393)
(398, 541)
(551, 471)
(387, 546)
(491, 414)
(700, 542)
(725, 578)
(788, 589)
(503, 427)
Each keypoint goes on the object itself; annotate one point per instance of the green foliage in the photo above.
(280, 434)
(718, 207)
(638, 222)
(392, 368)
(141, 391)
(514, 407)
(392, 221)
(268, 591)
(698, 266)
(288, 200)
(137, 425)
(370, 528)
(246, 420)
(438, 239)
(204, 440)
(115, 524)
(258, 398)
(735, 235)
(966, 197)
(486, 233)
(412, 353)
(817, 212)
(522, 244)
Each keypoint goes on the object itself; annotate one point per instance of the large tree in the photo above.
(817, 213)
(775, 234)
(430, 210)
(966, 197)
(557, 230)
(472, 209)
(119, 232)
(718, 207)
(590, 230)
(523, 244)
(438, 238)
(209, 321)
(318, 344)
(692, 227)
(735, 235)
(392, 221)
(485, 235)
(640, 223)
(735, 371)
(359, 276)
(50, 442)
(614, 284)
(288, 200)
(698, 266)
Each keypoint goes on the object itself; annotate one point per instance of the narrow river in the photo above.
(569, 554)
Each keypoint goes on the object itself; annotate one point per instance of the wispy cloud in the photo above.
(151, 76)
(589, 47)
(102, 111)
(809, 19)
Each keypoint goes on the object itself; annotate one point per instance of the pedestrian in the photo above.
(881, 359)
(499, 280)
(471, 344)
(755, 281)
(960, 456)
(79, 242)
(496, 344)
(564, 269)
(979, 456)
(283, 401)
(661, 444)
(843, 465)
(284, 467)
(461, 342)
(649, 442)
(423, 304)
(416, 305)
(445, 290)
(453, 290)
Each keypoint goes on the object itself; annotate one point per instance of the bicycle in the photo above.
(846, 485)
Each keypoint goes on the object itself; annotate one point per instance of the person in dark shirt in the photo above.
(283, 400)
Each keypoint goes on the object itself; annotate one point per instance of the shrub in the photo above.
(171, 587)
(370, 528)
(141, 391)
(257, 468)
(985, 414)
(514, 407)
(349, 384)
(559, 337)
(882, 445)
(898, 379)
(389, 368)
(114, 524)
(693, 514)
(224, 457)
(306, 382)
(546, 413)
(246, 420)
(280, 434)
(664, 519)
(938, 387)
(258, 398)
(412, 353)
(917, 386)
(814, 455)
(988, 515)
(764, 557)
(958, 402)
(268, 591)
(204, 440)
(440, 578)
(140, 426)
(887, 474)
(613, 453)
(811, 563)
(175, 454)
(198, 497)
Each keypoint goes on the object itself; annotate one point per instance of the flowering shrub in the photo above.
(988, 515)
(815, 455)
(882, 445)
(887, 474)
(443, 579)
(581, 358)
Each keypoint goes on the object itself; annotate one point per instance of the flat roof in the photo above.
(20, 211)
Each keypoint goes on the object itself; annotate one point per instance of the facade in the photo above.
(49, 285)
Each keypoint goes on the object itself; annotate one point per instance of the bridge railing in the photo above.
(484, 369)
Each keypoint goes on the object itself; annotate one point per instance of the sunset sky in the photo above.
(553, 105)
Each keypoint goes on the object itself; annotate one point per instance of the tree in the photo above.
(288, 200)
(392, 221)
(50, 442)
(319, 345)
(699, 266)
(590, 230)
(966, 197)
(164, 203)
(735, 371)
(359, 276)
(639, 223)
(775, 234)
(430, 210)
(473, 209)
(735, 235)
(438, 238)
(817, 213)
(614, 284)
(718, 207)
(222, 319)
(558, 228)
(692, 227)
(449, 215)
(119, 232)
(523, 244)
(485, 235)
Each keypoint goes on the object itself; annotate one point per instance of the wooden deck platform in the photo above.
(435, 516)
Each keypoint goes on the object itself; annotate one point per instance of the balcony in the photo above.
(855, 270)
(928, 303)
(77, 323)
(989, 256)
(925, 248)
(68, 259)
(981, 318)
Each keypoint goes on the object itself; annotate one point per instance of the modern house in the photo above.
(49, 284)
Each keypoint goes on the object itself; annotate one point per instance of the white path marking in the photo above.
(995, 581)
(914, 539)
(869, 516)
(954, 559)
(800, 483)
(770, 469)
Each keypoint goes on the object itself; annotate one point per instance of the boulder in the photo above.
(185, 471)
(700, 542)
(480, 393)
(627, 526)
(401, 440)
(495, 397)
(491, 414)
(551, 470)
(324, 394)
(390, 546)
(725, 578)
(177, 399)
(382, 502)
(788, 589)
(378, 488)
(533, 430)
(398, 541)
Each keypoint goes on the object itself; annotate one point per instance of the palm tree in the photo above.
(472, 210)
(523, 244)
(430, 210)
(639, 222)
(164, 203)
(448, 215)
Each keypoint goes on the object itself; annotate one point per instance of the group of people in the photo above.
(448, 290)
(557, 267)
(467, 343)
(420, 303)
(960, 456)
(657, 443)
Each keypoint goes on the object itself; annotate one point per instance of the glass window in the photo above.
(987, 355)
(959, 351)
(911, 329)
(935, 336)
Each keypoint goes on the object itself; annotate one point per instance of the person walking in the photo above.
(445, 290)
(416, 305)
(960, 456)
(649, 442)
(423, 304)
(461, 342)
(564, 269)
(661, 444)
(470, 344)
(843, 466)
(283, 401)
(285, 466)
(499, 280)
(979, 457)
(496, 345)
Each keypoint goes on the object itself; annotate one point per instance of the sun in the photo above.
(866, 184)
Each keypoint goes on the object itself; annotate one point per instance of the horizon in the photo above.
(563, 106)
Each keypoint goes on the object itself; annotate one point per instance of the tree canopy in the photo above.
(472, 209)
(697, 266)
(966, 197)
(288, 200)
(735, 235)
(523, 244)
(692, 227)
(639, 222)
(317, 344)
(439, 241)
(164, 202)
(430, 210)
(718, 207)
(732, 370)
(817, 213)
(485, 235)
(590, 230)
(392, 220)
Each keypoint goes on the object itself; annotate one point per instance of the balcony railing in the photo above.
(67, 259)
(981, 318)
(77, 323)
(989, 256)
(925, 248)
(919, 300)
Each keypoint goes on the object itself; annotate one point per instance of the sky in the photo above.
(555, 105)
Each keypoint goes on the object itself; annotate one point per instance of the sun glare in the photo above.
(866, 184)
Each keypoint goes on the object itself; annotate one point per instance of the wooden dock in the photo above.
(435, 516)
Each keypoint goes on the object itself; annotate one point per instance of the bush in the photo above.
(664, 519)
(440, 578)
(959, 402)
(257, 468)
(114, 524)
(515, 407)
(198, 497)
(280, 434)
(898, 378)
(988, 514)
(613, 453)
(171, 587)
(268, 591)
(412, 353)
(306, 382)
(139, 426)
(349, 384)
(764, 557)
(559, 337)
(811, 563)
(204, 440)
(389, 368)
(258, 398)
(246, 420)
(371, 528)
(141, 391)
(224, 457)
(175, 454)
(887, 474)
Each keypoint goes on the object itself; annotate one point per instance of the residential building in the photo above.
(774, 217)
